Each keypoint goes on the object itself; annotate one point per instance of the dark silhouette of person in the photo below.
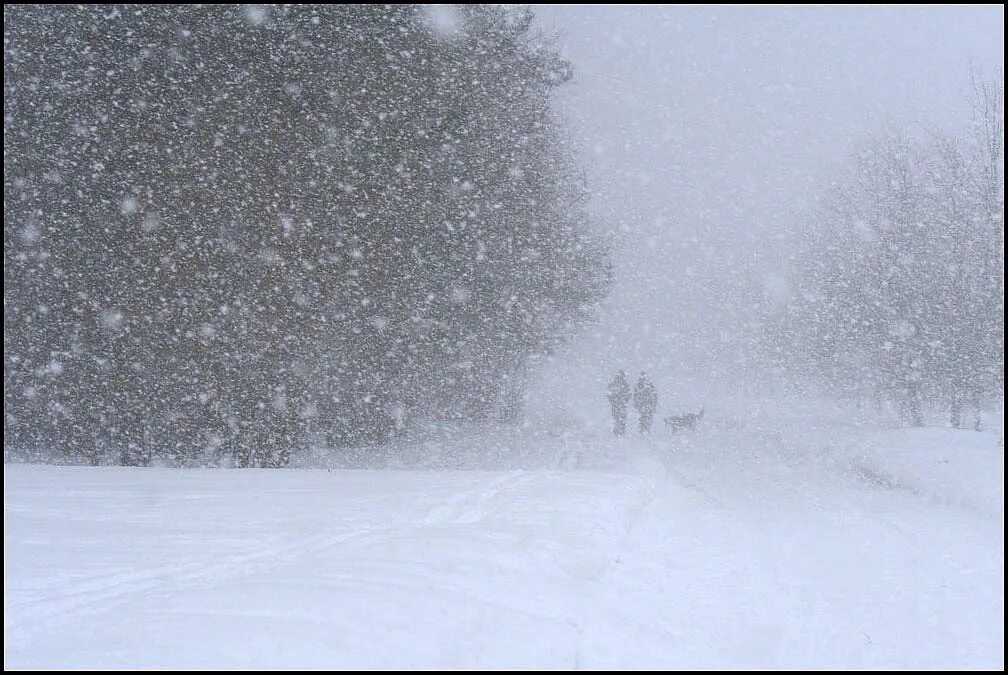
(645, 399)
(619, 397)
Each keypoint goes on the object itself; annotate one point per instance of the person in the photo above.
(619, 396)
(645, 399)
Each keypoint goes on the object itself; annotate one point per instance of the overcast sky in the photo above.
(706, 129)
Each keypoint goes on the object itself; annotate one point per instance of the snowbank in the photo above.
(964, 468)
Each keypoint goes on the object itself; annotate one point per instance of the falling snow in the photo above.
(546, 337)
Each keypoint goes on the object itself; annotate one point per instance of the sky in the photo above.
(706, 131)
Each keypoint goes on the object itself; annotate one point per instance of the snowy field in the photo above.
(741, 544)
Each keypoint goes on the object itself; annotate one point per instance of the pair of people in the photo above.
(645, 400)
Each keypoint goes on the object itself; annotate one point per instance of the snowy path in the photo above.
(728, 548)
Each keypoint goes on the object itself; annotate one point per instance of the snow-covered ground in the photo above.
(758, 540)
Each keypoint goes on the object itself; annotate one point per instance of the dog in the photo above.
(687, 422)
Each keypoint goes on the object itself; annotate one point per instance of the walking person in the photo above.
(645, 399)
(619, 397)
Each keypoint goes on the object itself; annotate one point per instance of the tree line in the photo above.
(899, 291)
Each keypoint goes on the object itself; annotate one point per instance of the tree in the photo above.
(229, 230)
(902, 284)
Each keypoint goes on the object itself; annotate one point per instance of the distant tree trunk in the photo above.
(912, 406)
(512, 408)
(956, 410)
(975, 405)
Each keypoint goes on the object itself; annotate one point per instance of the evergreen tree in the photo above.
(231, 229)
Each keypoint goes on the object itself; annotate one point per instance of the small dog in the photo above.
(687, 422)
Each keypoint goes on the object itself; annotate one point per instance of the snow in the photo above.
(398, 253)
(743, 544)
(944, 465)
